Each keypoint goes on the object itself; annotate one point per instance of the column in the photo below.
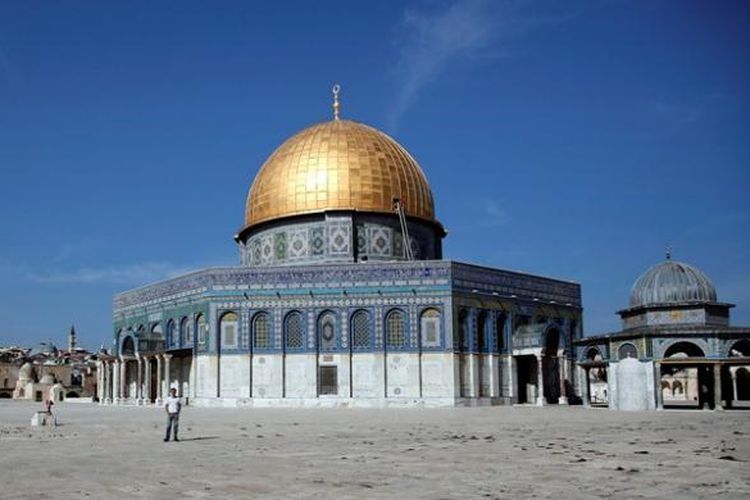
(147, 382)
(159, 384)
(99, 371)
(562, 369)
(473, 359)
(139, 381)
(539, 381)
(495, 384)
(194, 375)
(107, 382)
(116, 380)
(657, 383)
(510, 393)
(733, 373)
(717, 388)
(583, 383)
(167, 373)
(124, 380)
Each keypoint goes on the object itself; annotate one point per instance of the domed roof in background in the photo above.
(338, 165)
(46, 348)
(672, 282)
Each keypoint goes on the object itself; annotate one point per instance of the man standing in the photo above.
(173, 406)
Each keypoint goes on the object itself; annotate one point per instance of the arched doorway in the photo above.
(685, 381)
(551, 366)
(742, 377)
(127, 351)
(738, 381)
(596, 377)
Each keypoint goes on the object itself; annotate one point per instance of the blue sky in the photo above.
(570, 139)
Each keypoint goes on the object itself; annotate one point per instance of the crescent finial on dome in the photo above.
(336, 104)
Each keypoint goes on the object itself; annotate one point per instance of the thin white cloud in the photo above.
(457, 34)
(494, 215)
(433, 41)
(124, 275)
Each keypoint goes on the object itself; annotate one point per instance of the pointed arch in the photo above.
(361, 330)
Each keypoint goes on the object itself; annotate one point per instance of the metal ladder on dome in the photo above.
(399, 208)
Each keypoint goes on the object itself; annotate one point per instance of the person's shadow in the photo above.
(199, 438)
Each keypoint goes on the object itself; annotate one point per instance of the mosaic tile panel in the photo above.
(317, 241)
(339, 239)
(279, 244)
(380, 242)
(298, 244)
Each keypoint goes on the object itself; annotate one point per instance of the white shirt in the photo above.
(173, 404)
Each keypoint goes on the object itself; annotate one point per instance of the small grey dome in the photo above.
(46, 348)
(672, 282)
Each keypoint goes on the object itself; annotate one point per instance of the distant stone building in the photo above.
(676, 348)
(342, 298)
(46, 372)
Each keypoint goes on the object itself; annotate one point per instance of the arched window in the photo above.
(593, 354)
(261, 331)
(228, 328)
(394, 329)
(153, 342)
(482, 331)
(294, 331)
(429, 324)
(552, 342)
(361, 330)
(740, 349)
(327, 331)
(171, 334)
(677, 389)
(627, 350)
(183, 329)
(684, 350)
(128, 346)
(463, 330)
(187, 331)
(202, 330)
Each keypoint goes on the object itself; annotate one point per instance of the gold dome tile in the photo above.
(338, 165)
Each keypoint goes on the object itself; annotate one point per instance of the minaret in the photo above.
(72, 344)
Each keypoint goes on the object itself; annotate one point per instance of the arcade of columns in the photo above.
(112, 379)
(719, 400)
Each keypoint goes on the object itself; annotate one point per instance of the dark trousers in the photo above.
(173, 424)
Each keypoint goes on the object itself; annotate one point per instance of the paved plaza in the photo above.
(493, 452)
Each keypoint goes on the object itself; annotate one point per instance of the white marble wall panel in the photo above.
(268, 376)
(235, 376)
(402, 375)
(206, 376)
(300, 376)
(368, 375)
(631, 385)
(438, 377)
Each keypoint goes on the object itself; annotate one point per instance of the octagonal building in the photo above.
(341, 297)
(676, 348)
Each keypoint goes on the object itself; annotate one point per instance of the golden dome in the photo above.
(338, 165)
